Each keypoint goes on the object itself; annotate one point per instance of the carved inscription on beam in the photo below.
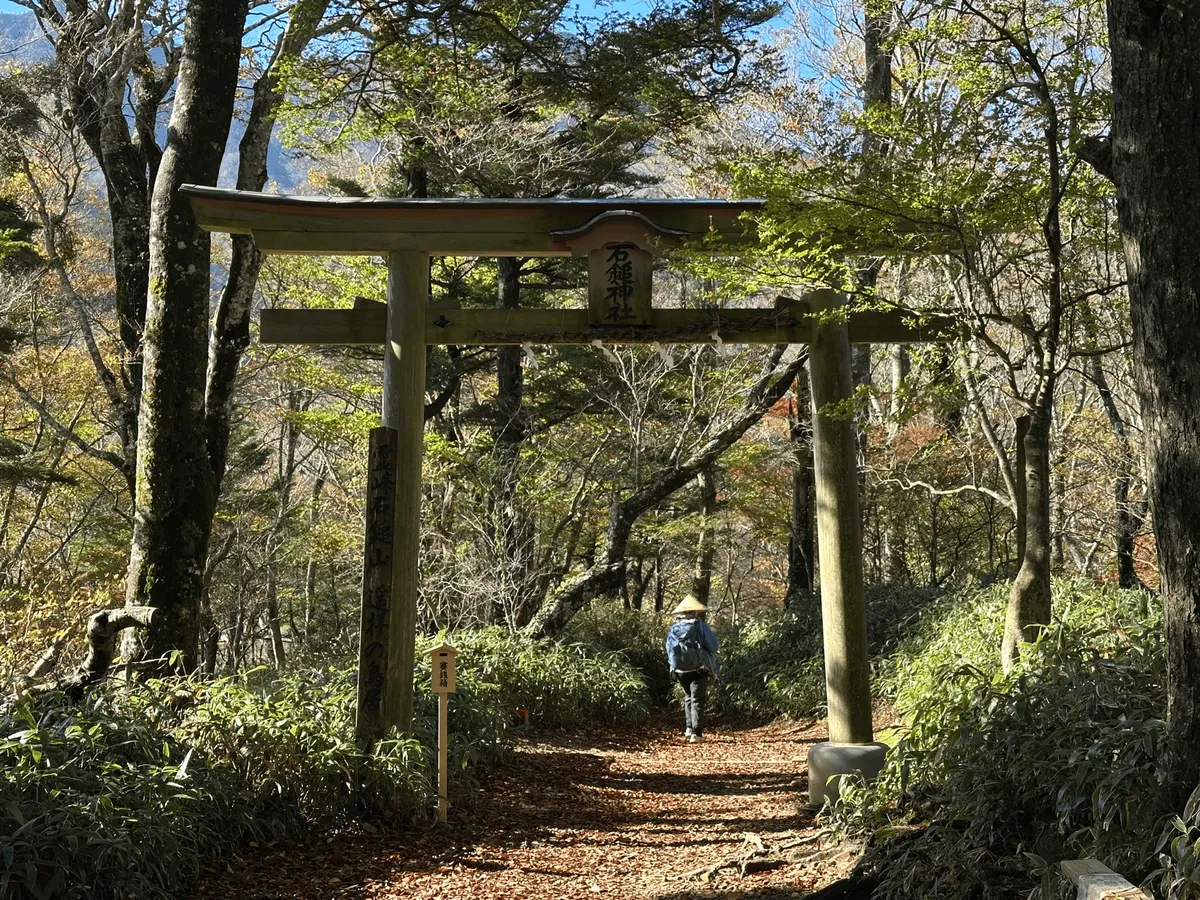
(619, 281)
(467, 327)
(620, 246)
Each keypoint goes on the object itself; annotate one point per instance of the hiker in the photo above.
(692, 656)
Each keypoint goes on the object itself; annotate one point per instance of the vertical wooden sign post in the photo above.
(377, 577)
(443, 686)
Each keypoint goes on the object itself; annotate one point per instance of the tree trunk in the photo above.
(1128, 525)
(1061, 523)
(278, 650)
(210, 648)
(801, 533)
(1128, 522)
(660, 583)
(310, 568)
(893, 520)
(286, 475)
(935, 507)
(103, 628)
(1155, 163)
(706, 546)
(97, 84)
(1029, 599)
(877, 97)
(176, 486)
(512, 523)
(1021, 482)
(210, 632)
(237, 637)
(950, 413)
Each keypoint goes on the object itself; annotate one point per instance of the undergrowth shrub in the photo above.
(1178, 875)
(638, 635)
(1060, 758)
(559, 683)
(126, 794)
(773, 665)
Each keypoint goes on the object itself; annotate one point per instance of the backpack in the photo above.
(686, 653)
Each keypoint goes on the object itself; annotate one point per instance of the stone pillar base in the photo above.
(827, 759)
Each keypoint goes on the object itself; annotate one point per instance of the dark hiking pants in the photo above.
(695, 687)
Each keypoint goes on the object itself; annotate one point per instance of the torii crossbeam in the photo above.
(620, 238)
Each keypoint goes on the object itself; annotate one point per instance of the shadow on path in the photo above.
(626, 813)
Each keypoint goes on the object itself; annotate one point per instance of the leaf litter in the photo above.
(632, 812)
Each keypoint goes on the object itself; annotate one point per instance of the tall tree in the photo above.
(121, 66)
(1153, 157)
(176, 485)
(189, 369)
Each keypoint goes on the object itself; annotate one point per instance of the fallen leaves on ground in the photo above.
(630, 813)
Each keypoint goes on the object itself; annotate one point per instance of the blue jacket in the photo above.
(708, 640)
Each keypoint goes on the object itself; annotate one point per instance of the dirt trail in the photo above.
(628, 813)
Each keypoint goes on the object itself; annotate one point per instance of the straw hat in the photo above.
(690, 604)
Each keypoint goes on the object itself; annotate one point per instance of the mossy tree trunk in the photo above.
(176, 485)
(1154, 160)
(188, 378)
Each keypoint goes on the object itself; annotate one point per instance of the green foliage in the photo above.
(560, 684)
(1061, 758)
(16, 232)
(127, 794)
(636, 635)
(773, 664)
(1179, 850)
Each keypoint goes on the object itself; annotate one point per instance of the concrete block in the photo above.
(1096, 881)
(828, 759)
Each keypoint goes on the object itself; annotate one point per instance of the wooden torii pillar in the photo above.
(619, 238)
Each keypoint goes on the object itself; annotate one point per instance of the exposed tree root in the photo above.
(755, 856)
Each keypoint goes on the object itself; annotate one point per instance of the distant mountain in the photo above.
(22, 43)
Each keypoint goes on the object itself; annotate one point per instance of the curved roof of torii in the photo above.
(447, 227)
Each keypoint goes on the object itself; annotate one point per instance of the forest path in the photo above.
(629, 811)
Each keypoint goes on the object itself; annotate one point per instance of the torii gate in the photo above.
(620, 238)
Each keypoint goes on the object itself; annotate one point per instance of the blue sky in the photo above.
(8, 6)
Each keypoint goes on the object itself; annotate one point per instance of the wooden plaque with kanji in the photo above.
(619, 285)
(443, 669)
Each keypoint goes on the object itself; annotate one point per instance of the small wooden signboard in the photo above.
(443, 669)
(442, 659)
